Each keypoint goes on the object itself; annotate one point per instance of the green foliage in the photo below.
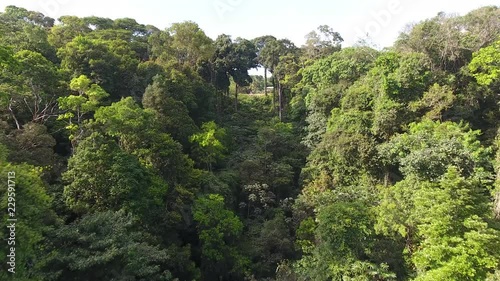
(344, 237)
(163, 97)
(175, 85)
(70, 28)
(232, 60)
(102, 177)
(445, 225)
(26, 30)
(110, 63)
(218, 230)
(442, 38)
(485, 64)
(139, 135)
(189, 43)
(440, 207)
(436, 101)
(358, 165)
(269, 244)
(346, 149)
(105, 246)
(322, 44)
(457, 241)
(430, 147)
(32, 208)
(32, 145)
(31, 85)
(123, 119)
(344, 66)
(209, 147)
(77, 106)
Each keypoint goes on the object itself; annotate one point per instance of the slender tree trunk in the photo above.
(280, 100)
(236, 98)
(265, 81)
(218, 93)
(274, 93)
(13, 115)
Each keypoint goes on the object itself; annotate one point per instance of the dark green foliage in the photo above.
(32, 145)
(102, 177)
(26, 30)
(110, 63)
(105, 246)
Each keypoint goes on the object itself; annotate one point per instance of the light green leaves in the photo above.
(77, 106)
(485, 64)
(218, 230)
(457, 242)
(210, 147)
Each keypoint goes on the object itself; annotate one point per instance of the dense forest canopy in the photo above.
(135, 153)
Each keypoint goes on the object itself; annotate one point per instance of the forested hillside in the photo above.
(133, 153)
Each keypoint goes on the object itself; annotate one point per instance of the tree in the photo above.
(70, 28)
(38, 87)
(344, 238)
(209, 141)
(105, 245)
(260, 43)
(440, 163)
(218, 230)
(323, 44)
(111, 64)
(485, 64)
(170, 99)
(34, 217)
(456, 237)
(439, 145)
(448, 40)
(26, 30)
(140, 133)
(32, 145)
(175, 85)
(231, 60)
(436, 102)
(271, 244)
(222, 64)
(159, 47)
(189, 43)
(170, 174)
(287, 73)
(269, 58)
(244, 59)
(102, 177)
(277, 56)
(78, 106)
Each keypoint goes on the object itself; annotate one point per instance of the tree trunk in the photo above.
(236, 98)
(280, 101)
(274, 94)
(13, 115)
(265, 81)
